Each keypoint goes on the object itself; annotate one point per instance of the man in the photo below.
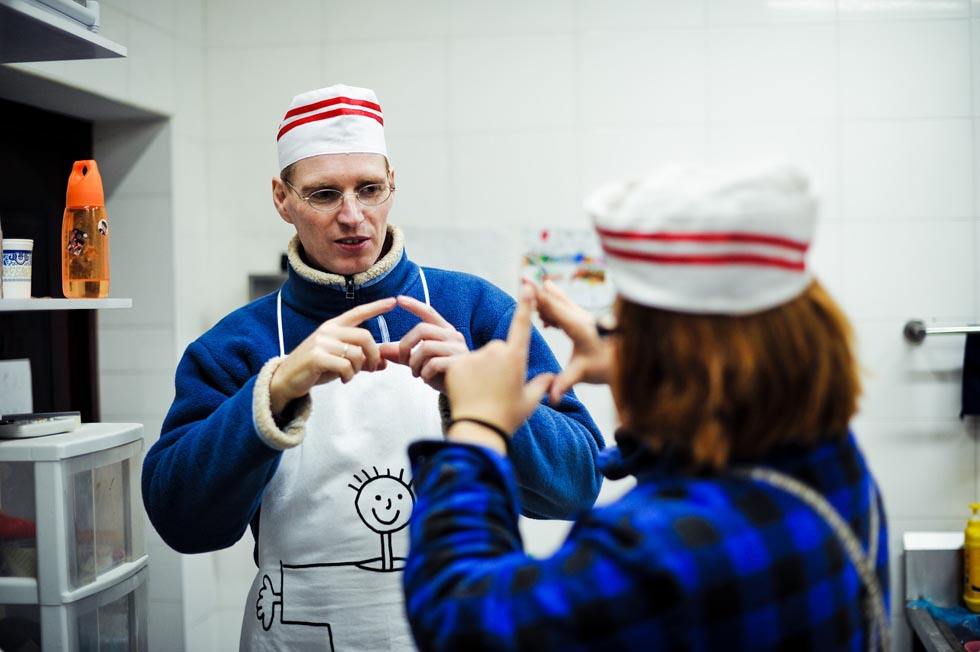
(292, 414)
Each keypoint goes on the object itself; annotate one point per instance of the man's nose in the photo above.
(350, 210)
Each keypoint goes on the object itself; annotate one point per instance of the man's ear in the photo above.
(279, 191)
(391, 178)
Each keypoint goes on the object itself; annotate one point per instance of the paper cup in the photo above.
(18, 254)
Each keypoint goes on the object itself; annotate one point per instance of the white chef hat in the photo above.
(708, 241)
(338, 119)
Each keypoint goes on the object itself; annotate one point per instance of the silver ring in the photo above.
(343, 354)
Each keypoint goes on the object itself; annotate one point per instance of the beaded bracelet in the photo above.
(486, 424)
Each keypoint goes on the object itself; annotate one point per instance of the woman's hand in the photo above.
(338, 348)
(489, 384)
(592, 356)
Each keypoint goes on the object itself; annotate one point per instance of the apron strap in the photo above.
(282, 349)
(383, 325)
(425, 286)
(864, 564)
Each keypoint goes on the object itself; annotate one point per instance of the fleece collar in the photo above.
(376, 271)
(322, 295)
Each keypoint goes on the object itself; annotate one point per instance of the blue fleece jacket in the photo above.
(203, 480)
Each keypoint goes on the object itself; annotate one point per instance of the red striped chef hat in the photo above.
(338, 119)
(708, 241)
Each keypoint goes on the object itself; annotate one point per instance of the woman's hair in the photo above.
(719, 387)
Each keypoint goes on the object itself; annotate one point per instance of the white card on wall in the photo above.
(16, 396)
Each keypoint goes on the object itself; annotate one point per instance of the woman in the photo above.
(755, 523)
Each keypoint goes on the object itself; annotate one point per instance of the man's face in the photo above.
(349, 239)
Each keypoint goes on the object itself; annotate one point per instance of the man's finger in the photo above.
(359, 314)
(389, 351)
(423, 311)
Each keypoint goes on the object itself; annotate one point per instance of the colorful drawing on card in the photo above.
(572, 259)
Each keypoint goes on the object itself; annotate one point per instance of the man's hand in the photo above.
(488, 384)
(338, 348)
(592, 356)
(428, 347)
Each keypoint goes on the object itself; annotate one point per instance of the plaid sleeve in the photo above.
(469, 585)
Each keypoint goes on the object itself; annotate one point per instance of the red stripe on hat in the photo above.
(326, 116)
(753, 238)
(306, 108)
(707, 259)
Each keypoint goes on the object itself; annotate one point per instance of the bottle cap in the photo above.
(975, 507)
(84, 186)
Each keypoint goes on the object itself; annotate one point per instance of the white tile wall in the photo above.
(907, 169)
(502, 116)
(641, 79)
(515, 178)
(742, 12)
(249, 89)
(284, 23)
(641, 14)
(511, 82)
(975, 62)
(478, 18)
(901, 9)
(608, 155)
(240, 200)
(826, 257)
(389, 19)
(413, 104)
(927, 467)
(883, 276)
(905, 69)
(153, 76)
(162, 636)
(423, 166)
(773, 72)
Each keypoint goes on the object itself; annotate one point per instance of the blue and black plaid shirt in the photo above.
(681, 562)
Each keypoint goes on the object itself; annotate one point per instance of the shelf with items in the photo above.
(33, 304)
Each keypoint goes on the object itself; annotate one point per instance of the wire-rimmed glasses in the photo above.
(328, 199)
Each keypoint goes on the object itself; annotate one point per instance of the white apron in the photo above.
(333, 535)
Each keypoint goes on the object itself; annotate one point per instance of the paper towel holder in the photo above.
(916, 330)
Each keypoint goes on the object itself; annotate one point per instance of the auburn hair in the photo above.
(719, 387)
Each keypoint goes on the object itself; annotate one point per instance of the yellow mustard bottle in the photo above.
(971, 561)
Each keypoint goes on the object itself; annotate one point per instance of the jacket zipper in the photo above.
(350, 291)
(382, 324)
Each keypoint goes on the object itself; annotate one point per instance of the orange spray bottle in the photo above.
(85, 235)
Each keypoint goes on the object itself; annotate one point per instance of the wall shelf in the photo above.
(25, 305)
(31, 31)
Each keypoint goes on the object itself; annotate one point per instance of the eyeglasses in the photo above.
(606, 326)
(327, 199)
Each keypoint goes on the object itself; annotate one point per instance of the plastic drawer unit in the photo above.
(71, 519)
(115, 618)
